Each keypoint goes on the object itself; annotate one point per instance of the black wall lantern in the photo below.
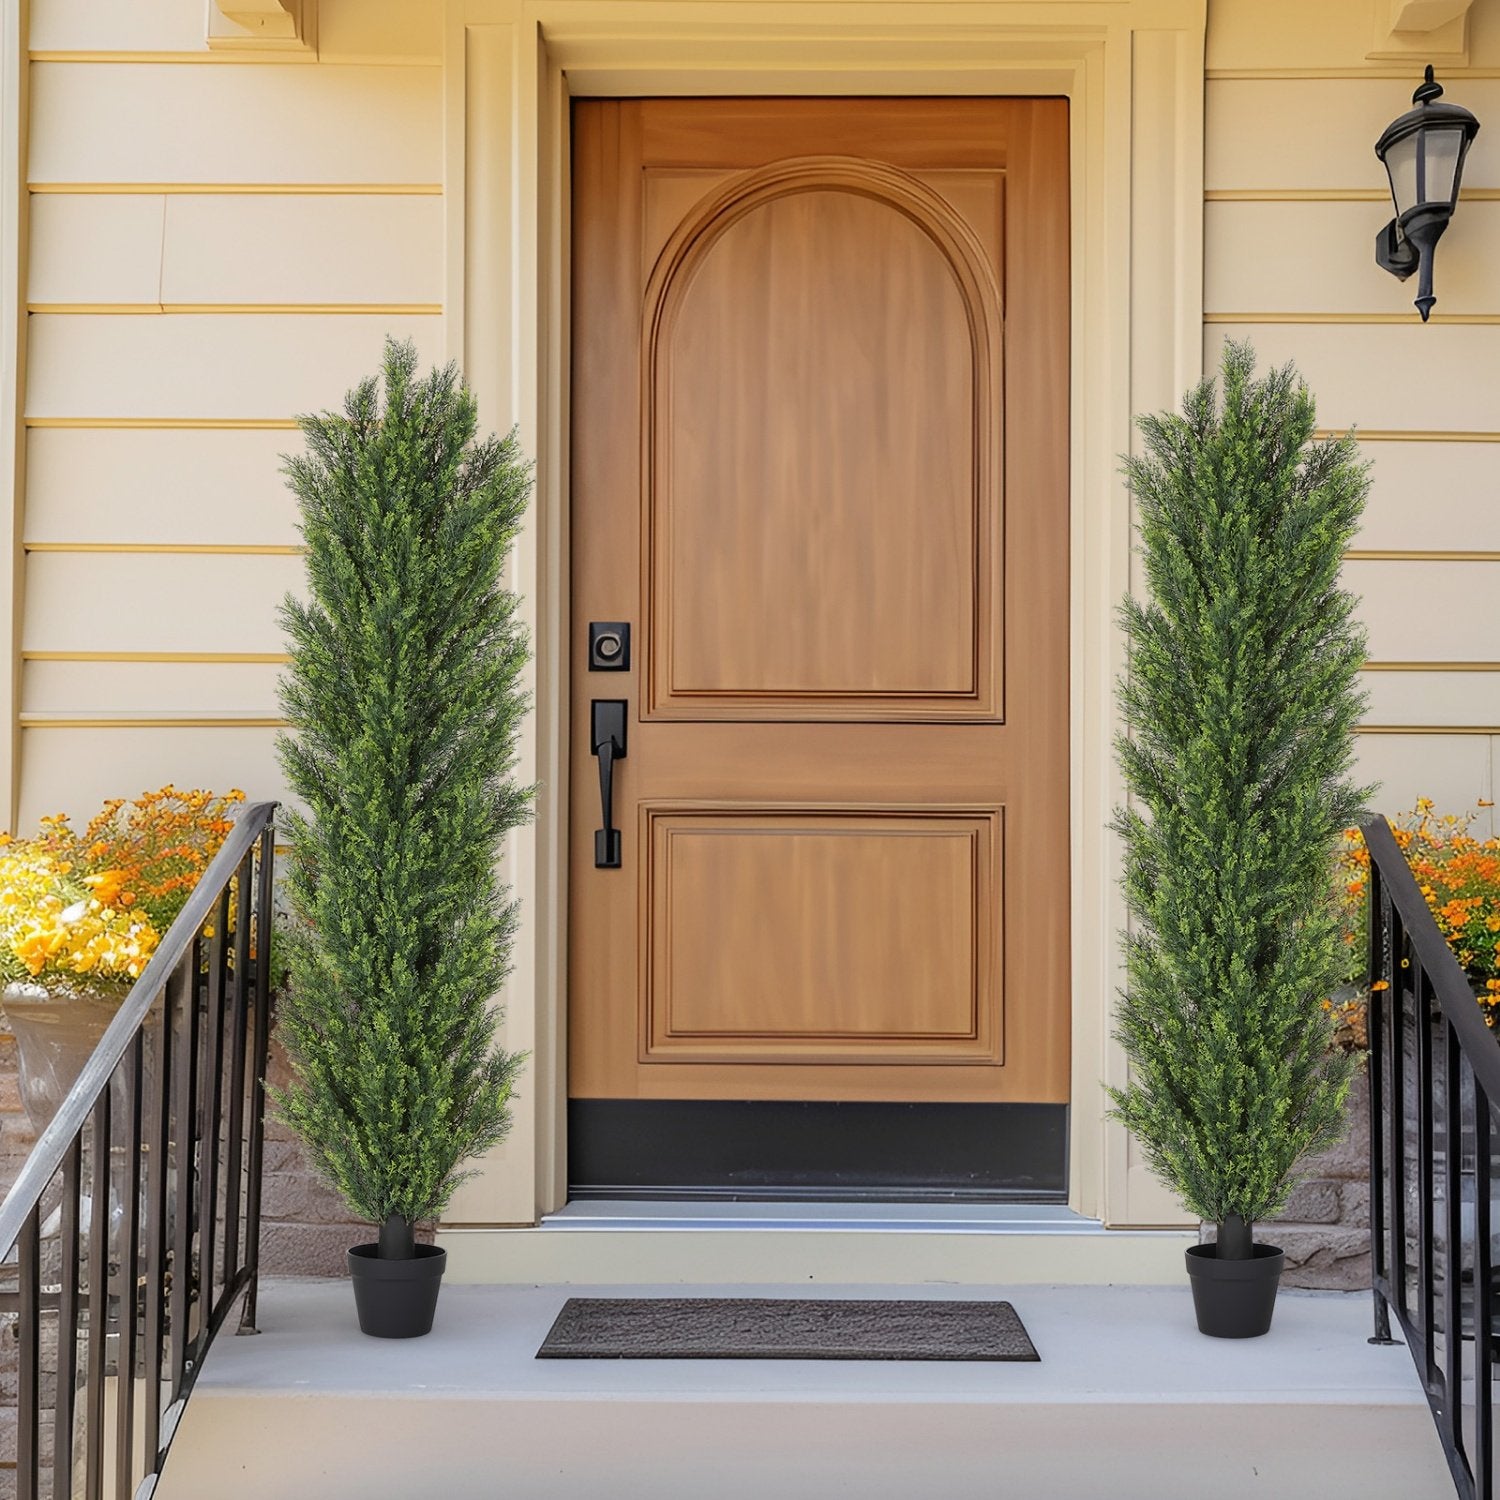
(1423, 153)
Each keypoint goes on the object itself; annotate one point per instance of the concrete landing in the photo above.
(1128, 1401)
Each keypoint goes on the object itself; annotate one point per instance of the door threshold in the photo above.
(906, 1218)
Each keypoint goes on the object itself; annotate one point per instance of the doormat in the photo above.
(784, 1328)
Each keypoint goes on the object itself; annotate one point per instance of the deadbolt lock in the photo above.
(609, 646)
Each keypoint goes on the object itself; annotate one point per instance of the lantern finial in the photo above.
(1428, 90)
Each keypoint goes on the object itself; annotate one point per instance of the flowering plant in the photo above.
(1459, 877)
(86, 908)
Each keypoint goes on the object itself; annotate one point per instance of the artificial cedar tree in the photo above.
(404, 701)
(1240, 706)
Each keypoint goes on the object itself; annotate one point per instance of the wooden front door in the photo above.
(820, 470)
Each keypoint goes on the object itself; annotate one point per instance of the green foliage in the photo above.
(404, 700)
(1240, 706)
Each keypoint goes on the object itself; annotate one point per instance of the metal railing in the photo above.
(1434, 1091)
(135, 1221)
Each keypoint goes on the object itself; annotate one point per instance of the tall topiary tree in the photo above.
(404, 702)
(1240, 705)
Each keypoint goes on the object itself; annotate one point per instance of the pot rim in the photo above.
(1266, 1261)
(427, 1264)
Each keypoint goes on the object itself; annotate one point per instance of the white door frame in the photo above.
(1133, 73)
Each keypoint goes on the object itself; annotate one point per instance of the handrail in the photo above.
(1434, 1072)
(136, 1218)
(52, 1145)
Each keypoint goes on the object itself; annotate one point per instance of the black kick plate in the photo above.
(732, 1149)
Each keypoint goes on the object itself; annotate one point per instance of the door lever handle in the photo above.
(608, 743)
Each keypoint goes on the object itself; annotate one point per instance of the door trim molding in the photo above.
(1133, 71)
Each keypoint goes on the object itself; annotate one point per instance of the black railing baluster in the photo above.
(130, 1203)
(1484, 1301)
(65, 1393)
(29, 1381)
(212, 1104)
(234, 1146)
(1375, 1027)
(158, 1174)
(1397, 1147)
(135, 1154)
(1426, 1081)
(1405, 940)
(1453, 1299)
(100, 1176)
(185, 1229)
(265, 873)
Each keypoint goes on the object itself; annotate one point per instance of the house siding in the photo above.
(1289, 264)
(219, 241)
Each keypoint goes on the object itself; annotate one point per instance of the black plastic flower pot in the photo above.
(396, 1299)
(1234, 1299)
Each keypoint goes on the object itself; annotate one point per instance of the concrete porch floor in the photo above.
(1128, 1401)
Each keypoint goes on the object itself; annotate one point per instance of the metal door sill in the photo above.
(975, 1217)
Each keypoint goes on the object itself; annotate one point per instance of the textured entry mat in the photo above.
(784, 1328)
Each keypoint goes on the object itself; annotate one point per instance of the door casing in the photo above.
(1133, 74)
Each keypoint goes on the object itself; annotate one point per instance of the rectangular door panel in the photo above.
(885, 935)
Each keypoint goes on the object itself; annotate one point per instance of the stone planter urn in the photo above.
(1468, 1146)
(56, 1033)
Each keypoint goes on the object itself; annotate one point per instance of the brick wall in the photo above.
(305, 1230)
(1325, 1230)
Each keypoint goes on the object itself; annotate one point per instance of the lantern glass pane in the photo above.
(1444, 148)
(1401, 162)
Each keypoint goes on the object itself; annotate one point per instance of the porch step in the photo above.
(797, 1244)
(1128, 1401)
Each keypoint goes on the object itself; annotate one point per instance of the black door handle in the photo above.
(608, 740)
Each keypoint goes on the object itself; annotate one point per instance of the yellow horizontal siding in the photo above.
(207, 367)
(134, 122)
(75, 769)
(1445, 698)
(154, 603)
(1310, 134)
(1293, 202)
(208, 486)
(367, 30)
(1387, 379)
(214, 249)
(1424, 611)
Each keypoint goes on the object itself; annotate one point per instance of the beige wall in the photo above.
(1294, 199)
(220, 240)
(217, 242)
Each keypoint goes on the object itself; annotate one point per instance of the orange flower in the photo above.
(1459, 878)
(95, 902)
